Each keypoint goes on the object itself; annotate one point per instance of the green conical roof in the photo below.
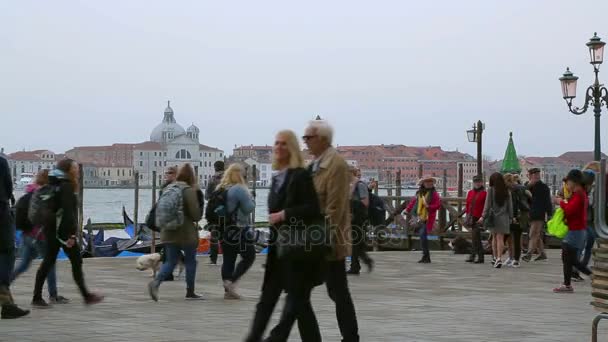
(510, 163)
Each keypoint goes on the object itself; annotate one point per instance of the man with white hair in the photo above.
(332, 178)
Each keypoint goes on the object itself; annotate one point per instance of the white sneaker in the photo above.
(515, 264)
(230, 289)
(498, 264)
(509, 262)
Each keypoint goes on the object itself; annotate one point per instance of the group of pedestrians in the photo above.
(56, 221)
(508, 209)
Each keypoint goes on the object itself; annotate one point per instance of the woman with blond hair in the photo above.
(293, 204)
(184, 238)
(238, 235)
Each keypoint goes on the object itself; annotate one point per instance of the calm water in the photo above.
(105, 205)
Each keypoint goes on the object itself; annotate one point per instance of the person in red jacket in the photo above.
(476, 200)
(424, 210)
(575, 212)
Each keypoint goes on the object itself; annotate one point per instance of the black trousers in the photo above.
(214, 243)
(337, 288)
(50, 259)
(476, 240)
(272, 287)
(359, 238)
(515, 237)
(571, 260)
(297, 306)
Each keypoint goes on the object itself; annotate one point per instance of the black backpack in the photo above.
(359, 212)
(217, 206)
(42, 204)
(22, 207)
(377, 210)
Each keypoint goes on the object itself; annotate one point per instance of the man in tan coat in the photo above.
(332, 178)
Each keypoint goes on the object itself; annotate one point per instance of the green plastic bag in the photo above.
(557, 224)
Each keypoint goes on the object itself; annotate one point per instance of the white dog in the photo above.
(154, 261)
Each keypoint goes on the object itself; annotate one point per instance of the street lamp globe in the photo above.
(568, 81)
(472, 134)
(596, 49)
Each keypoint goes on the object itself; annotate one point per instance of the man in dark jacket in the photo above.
(541, 208)
(213, 183)
(7, 244)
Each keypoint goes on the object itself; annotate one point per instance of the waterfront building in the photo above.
(30, 162)
(169, 145)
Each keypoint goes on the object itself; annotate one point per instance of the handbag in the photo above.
(557, 225)
(303, 242)
(300, 241)
(490, 220)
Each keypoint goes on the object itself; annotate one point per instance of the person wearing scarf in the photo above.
(426, 204)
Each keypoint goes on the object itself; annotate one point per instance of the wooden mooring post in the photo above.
(389, 183)
(80, 203)
(460, 186)
(153, 247)
(254, 187)
(443, 211)
(136, 203)
(397, 188)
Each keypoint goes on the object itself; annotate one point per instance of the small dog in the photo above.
(155, 260)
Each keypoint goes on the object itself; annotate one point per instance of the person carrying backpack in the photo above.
(213, 228)
(177, 213)
(235, 222)
(55, 207)
(360, 202)
(34, 240)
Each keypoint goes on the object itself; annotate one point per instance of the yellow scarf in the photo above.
(567, 193)
(423, 213)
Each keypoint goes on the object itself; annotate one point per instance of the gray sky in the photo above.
(403, 72)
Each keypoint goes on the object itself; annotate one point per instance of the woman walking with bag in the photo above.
(498, 215)
(237, 237)
(60, 228)
(182, 236)
(34, 240)
(575, 214)
(293, 204)
(424, 211)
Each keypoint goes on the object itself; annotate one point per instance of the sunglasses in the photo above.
(308, 137)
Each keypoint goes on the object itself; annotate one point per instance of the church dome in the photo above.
(168, 129)
(193, 129)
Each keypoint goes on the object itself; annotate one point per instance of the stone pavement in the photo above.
(448, 300)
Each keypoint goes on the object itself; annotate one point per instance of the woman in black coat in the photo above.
(61, 228)
(292, 199)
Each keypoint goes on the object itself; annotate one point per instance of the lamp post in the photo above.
(475, 135)
(596, 94)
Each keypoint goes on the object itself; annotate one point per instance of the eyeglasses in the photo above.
(308, 137)
(169, 173)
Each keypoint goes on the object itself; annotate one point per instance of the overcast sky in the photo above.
(394, 72)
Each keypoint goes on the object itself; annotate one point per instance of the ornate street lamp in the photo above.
(596, 94)
(475, 135)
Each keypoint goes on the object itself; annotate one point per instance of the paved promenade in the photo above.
(448, 300)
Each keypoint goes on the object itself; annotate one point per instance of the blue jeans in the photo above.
(30, 250)
(237, 241)
(590, 241)
(172, 252)
(424, 241)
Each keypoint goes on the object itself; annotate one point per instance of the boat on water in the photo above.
(26, 178)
